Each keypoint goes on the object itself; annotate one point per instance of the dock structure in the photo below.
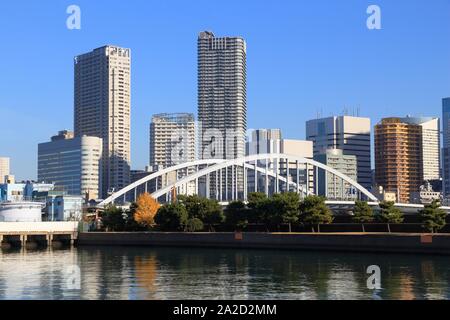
(31, 234)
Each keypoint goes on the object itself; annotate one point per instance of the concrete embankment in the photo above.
(357, 242)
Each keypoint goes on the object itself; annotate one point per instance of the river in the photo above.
(181, 273)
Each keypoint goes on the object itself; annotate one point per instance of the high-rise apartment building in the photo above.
(72, 164)
(222, 96)
(431, 143)
(172, 139)
(102, 109)
(398, 157)
(4, 168)
(446, 146)
(350, 134)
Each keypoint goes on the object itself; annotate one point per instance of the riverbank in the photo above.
(351, 242)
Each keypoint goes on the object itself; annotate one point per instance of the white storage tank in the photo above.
(20, 211)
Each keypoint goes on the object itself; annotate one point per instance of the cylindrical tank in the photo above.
(20, 212)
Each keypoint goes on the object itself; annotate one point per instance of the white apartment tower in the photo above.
(222, 96)
(172, 139)
(430, 145)
(102, 109)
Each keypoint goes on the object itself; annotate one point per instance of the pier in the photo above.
(33, 234)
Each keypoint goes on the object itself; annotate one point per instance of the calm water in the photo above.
(171, 273)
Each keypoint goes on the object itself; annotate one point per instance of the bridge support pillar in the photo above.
(49, 238)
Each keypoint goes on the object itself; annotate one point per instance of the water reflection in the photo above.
(176, 273)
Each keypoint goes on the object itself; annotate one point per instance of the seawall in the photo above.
(353, 242)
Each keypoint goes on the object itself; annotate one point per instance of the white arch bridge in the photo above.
(234, 179)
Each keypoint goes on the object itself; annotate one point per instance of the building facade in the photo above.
(349, 134)
(23, 191)
(102, 109)
(4, 168)
(172, 139)
(398, 157)
(328, 184)
(431, 144)
(222, 96)
(264, 141)
(73, 164)
(446, 147)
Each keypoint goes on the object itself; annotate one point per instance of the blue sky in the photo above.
(303, 57)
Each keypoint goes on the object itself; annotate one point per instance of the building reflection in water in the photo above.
(183, 273)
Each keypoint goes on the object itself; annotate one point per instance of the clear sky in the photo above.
(304, 57)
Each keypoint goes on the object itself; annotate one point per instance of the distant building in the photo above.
(270, 141)
(406, 153)
(68, 208)
(4, 168)
(102, 105)
(430, 145)
(264, 141)
(446, 146)
(73, 164)
(24, 191)
(172, 139)
(350, 134)
(425, 195)
(222, 96)
(331, 186)
(383, 195)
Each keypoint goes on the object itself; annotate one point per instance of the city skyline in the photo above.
(381, 79)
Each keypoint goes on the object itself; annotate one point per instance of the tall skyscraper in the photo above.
(172, 139)
(222, 96)
(4, 168)
(350, 134)
(102, 109)
(398, 157)
(73, 164)
(446, 146)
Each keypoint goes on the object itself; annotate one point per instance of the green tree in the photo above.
(257, 205)
(209, 211)
(362, 213)
(389, 214)
(433, 217)
(236, 215)
(171, 217)
(114, 219)
(286, 207)
(314, 211)
(194, 225)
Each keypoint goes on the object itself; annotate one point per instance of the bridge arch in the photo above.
(278, 166)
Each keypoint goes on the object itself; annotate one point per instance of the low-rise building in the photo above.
(330, 185)
(24, 191)
(425, 195)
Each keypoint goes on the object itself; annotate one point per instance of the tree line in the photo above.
(194, 213)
